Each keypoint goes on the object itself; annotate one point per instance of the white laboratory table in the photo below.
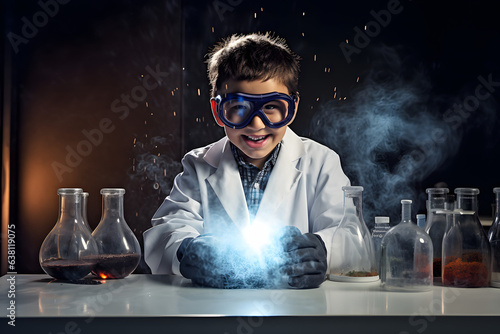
(170, 304)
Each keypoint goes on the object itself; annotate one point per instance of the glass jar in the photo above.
(119, 250)
(406, 256)
(466, 250)
(494, 239)
(436, 223)
(69, 252)
(352, 257)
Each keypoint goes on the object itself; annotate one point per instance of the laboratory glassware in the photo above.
(69, 252)
(494, 239)
(381, 228)
(352, 257)
(406, 256)
(421, 221)
(119, 250)
(466, 249)
(436, 223)
(85, 199)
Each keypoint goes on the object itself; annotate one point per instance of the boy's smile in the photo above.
(256, 141)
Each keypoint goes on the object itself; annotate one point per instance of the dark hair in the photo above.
(253, 57)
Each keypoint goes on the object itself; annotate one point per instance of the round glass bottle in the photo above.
(466, 250)
(494, 239)
(69, 252)
(352, 257)
(119, 250)
(436, 223)
(406, 256)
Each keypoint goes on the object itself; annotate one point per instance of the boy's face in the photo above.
(256, 140)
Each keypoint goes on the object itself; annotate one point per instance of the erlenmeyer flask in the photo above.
(436, 223)
(406, 256)
(69, 251)
(119, 250)
(466, 250)
(352, 257)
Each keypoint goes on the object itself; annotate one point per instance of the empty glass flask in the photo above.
(406, 256)
(119, 250)
(466, 250)
(494, 239)
(352, 257)
(69, 252)
(436, 223)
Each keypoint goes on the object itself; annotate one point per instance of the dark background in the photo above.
(85, 57)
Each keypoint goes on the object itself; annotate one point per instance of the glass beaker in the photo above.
(352, 257)
(381, 228)
(466, 250)
(69, 252)
(406, 256)
(436, 223)
(494, 239)
(119, 250)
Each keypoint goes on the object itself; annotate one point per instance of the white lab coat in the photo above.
(304, 190)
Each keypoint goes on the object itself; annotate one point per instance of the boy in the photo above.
(260, 175)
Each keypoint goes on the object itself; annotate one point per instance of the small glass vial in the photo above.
(353, 256)
(494, 239)
(119, 250)
(436, 223)
(378, 233)
(69, 252)
(466, 250)
(406, 256)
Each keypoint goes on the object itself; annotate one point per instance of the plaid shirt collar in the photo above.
(268, 165)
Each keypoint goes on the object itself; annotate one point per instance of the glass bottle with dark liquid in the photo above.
(69, 252)
(119, 250)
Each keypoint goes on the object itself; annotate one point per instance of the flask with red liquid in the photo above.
(119, 250)
(466, 250)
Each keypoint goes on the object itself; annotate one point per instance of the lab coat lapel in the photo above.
(226, 183)
(283, 177)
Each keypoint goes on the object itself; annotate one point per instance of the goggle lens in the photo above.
(238, 110)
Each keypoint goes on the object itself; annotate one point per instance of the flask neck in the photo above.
(112, 207)
(406, 213)
(353, 204)
(70, 207)
(467, 202)
(497, 208)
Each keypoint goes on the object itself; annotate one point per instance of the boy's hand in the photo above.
(197, 256)
(306, 262)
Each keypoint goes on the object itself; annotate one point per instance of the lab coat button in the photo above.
(256, 186)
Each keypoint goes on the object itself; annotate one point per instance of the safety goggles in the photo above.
(236, 110)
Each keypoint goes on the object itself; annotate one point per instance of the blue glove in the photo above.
(305, 261)
(210, 262)
(197, 257)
